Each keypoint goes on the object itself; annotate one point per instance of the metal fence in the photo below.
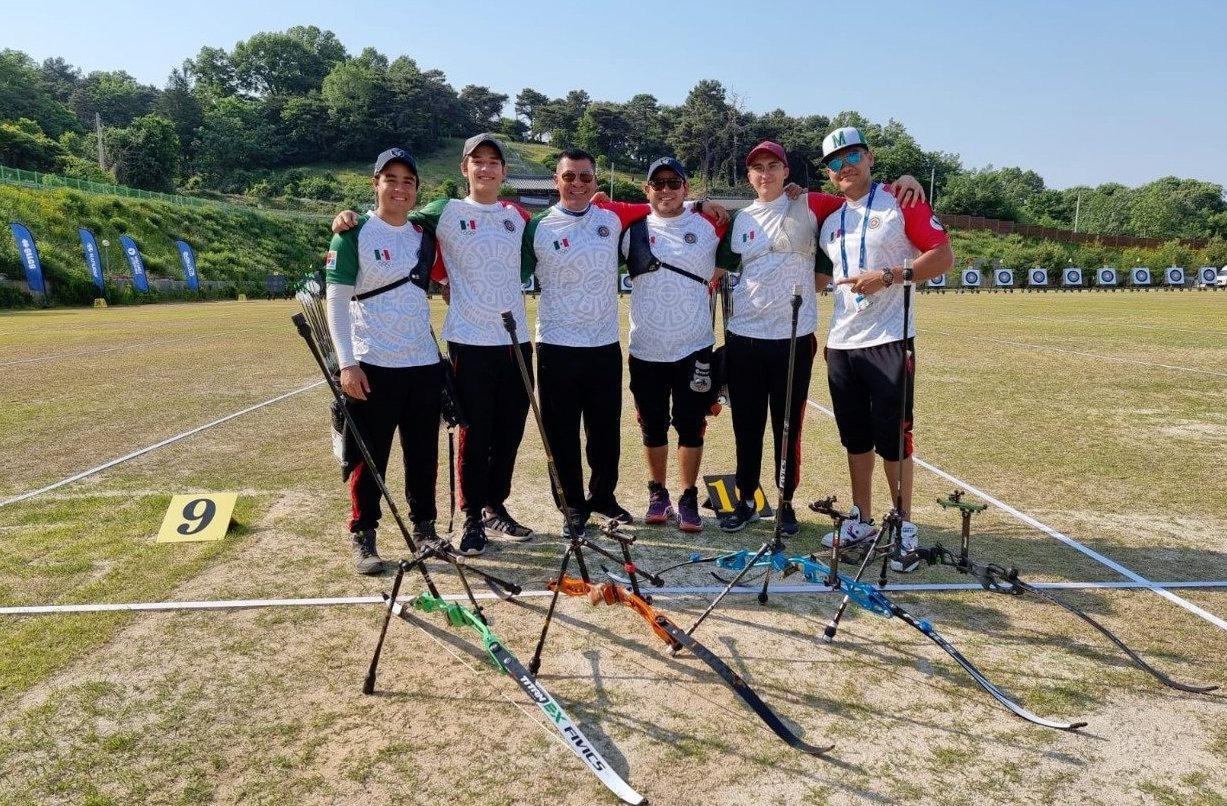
(36, 179)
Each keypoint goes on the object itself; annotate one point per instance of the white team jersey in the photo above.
(391, 329)
(892, 235)
(577, 267)
(481, 249)
(776, 243)
(670, 313)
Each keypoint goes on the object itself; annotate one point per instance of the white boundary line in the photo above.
(784, 590)
(155, 446)
(1097, 356)
(1069, 541)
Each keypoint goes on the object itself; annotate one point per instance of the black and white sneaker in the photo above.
(424, 532)
(614, 511)
(787, 519)
(499, 523)
(473, 541)
(743, 515)
(580, 520)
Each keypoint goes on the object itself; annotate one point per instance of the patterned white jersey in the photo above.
(892, 234)
(670, 313)
(775, 245)
(575, 258)
(391, 329)
(479, 246)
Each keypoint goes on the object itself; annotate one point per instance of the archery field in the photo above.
(1094, 424)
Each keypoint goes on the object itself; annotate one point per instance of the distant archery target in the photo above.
(1106, 276)
(940, 280)
(624, 283)
(1140, 276)
(1003, 278)
(1071, 276)
(1037, 277)
(1207, 275)
(1174, 275)
(971, 278)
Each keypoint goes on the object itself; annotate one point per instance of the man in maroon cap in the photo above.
(773, 244)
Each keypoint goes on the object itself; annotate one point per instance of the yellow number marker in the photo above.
(203, 516)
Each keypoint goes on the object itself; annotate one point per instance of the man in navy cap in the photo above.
(378, 273)
(671, 256)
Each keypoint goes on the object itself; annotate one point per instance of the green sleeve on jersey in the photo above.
(528, 252)
(428, 216)
(726, 258)
(822, 262)
(343, 269)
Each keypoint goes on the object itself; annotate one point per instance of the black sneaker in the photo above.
(614, 511)
(743, 515)
(362, 547)
(787, 519)
(499, 522)
(473, 542)
(578, 518)
(424, 532)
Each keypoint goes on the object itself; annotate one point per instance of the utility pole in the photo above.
(611, 180)
(98, 136)
(1077, 211)
(932, 176)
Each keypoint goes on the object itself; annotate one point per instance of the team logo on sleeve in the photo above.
(937, 225)
(330, 260)
(507, 225)
(747, 237)
(563, 244)
(469, 225)
(690, 237)
(602, 231)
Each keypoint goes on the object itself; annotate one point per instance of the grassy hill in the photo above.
(230, 244)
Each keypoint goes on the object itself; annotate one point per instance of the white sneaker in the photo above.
(851, 533)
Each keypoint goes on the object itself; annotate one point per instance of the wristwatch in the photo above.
(888, 277)
(907, 275)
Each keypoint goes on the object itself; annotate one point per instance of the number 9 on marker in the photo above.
(199, 516)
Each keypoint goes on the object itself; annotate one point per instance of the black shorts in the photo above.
(865, 394)
(653, 383)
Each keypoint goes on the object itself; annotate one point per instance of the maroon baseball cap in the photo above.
(775, 149)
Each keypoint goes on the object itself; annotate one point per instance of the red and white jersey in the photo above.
(670, 313)
(575, 258)
(775, 242)
(892, 234)
(480, 258)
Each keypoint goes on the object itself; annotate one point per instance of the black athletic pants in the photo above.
(583, 383)
(867, 397)
(654, 384)
(757, 377)
(491, 395)
(408, 399)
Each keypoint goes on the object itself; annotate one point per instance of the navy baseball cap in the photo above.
(395, 155)
(671, 164)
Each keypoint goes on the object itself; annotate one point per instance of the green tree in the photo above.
(485, 106)
(560, 118)
(212, 72)
(23, 144)
(145, 154)
(114, 95)
(179, 104)
(698, 136)
(60, 78)
(603, 130)
(233, 136)
(646, 124)
(527, 104)
(23, 94)
(979, 193)
(304, 129)
(358, 94)
(290, 63)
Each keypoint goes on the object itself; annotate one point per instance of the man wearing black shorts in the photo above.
(867, 240)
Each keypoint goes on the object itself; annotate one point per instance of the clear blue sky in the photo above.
(1080, 92)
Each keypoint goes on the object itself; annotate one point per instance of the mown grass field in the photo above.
(1103, 416)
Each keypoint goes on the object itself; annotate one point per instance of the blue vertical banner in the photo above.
(90, 247)
(188, 258)
(29, 258)
(133, 252)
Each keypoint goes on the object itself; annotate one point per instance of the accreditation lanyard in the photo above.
(843, 211)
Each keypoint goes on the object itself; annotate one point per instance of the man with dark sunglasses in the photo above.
(671, 257)
(867, 239)
(773, 242)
